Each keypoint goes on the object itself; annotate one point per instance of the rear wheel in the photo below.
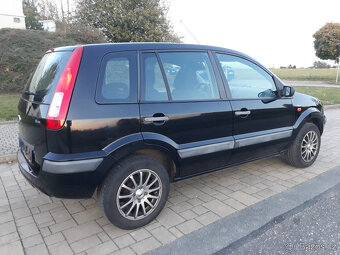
(305, 148)
(134, 192)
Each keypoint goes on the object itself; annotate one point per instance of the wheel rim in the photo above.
(139, 194)
(309, 146)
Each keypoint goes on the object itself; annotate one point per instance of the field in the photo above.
(326, 95)
(8, 106)
(306, 74)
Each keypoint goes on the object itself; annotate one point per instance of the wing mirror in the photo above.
(287, 91)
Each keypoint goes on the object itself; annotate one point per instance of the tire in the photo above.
(297, 155)
(117, 210)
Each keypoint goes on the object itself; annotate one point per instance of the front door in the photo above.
(181, 104)
(263, 120)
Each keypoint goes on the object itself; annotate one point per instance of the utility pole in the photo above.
(337, 71)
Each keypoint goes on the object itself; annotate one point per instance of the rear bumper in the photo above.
(64, 179)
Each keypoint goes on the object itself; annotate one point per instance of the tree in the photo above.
(31, 15)
(326, 39)
(321, 64)
(128, 20)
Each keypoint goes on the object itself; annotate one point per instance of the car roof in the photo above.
(152, 46)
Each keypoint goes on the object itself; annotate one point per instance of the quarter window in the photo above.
(245, 79)
(118, 78)
(190, 76)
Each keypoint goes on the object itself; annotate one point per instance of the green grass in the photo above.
(306, 74)
(326, 95)
(8, 106)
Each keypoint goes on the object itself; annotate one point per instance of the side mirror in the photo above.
(287, 91)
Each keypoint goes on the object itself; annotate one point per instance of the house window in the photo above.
(16, 20)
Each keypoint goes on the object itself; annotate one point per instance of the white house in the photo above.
(48, 25)
(11, 14)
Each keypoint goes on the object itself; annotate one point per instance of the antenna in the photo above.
(187, 29)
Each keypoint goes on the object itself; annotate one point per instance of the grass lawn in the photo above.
(8, 106)
(326, 95)
(306, 74)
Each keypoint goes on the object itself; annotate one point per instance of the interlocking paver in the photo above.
(163, 235)
(103, 249)
(81, 231)
(189, 226)
(124, 241)
(37, 249)
(146, 245)
(14, 248)
(61, 248)
(193, 203)
(86, 243)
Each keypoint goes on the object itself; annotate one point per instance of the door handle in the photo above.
(242, 113)
(156, 119)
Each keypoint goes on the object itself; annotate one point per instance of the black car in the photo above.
(113, 118)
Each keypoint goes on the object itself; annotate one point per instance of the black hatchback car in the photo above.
(128, 119)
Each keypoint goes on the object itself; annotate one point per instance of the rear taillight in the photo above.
(61, 99)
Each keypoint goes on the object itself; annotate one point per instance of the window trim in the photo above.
(98, 98)
(225, 81)
(219, 83)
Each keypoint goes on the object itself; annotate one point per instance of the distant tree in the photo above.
(320, 64)
(326, 39)
(31, 15)
(128, 20)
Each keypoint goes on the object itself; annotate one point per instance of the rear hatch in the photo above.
(37, 99)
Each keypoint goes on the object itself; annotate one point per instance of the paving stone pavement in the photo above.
(8, 138)
(33, 223)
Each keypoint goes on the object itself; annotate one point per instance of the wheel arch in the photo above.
(160, 150)
(311, 115)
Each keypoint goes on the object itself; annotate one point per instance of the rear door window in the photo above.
(190, 76)
(40, 88)
(118, 78)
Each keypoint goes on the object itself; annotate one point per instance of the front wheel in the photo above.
(305, 148)
(134, 192)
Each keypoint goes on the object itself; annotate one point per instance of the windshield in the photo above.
(40, 88)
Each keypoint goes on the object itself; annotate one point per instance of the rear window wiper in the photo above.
(27, 92)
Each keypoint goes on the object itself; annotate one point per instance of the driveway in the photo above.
(33, 223)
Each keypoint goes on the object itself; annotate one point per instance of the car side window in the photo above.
(190, 76)
(118, 78)
(153, 85)
(246, 79)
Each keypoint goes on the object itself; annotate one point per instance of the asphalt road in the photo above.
(313, 228)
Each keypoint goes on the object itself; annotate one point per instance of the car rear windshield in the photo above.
(40, 88)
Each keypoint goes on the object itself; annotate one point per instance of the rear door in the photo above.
(34, 103)
(181, 102)
(262, 119)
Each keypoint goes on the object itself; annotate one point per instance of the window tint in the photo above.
(153, 84)
(190, 75)
(45, 78)
(118, 78)
(245, 79)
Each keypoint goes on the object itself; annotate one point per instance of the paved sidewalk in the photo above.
(312, 83)
(8, 138)
(33, 223)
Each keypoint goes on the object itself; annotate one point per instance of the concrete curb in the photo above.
(8, 158)
(220, 234)
(332, 106)
(8, 122)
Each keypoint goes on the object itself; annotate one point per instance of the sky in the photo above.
(276, 33)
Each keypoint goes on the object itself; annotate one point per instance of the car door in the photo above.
(262, 119)
(181, 104)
